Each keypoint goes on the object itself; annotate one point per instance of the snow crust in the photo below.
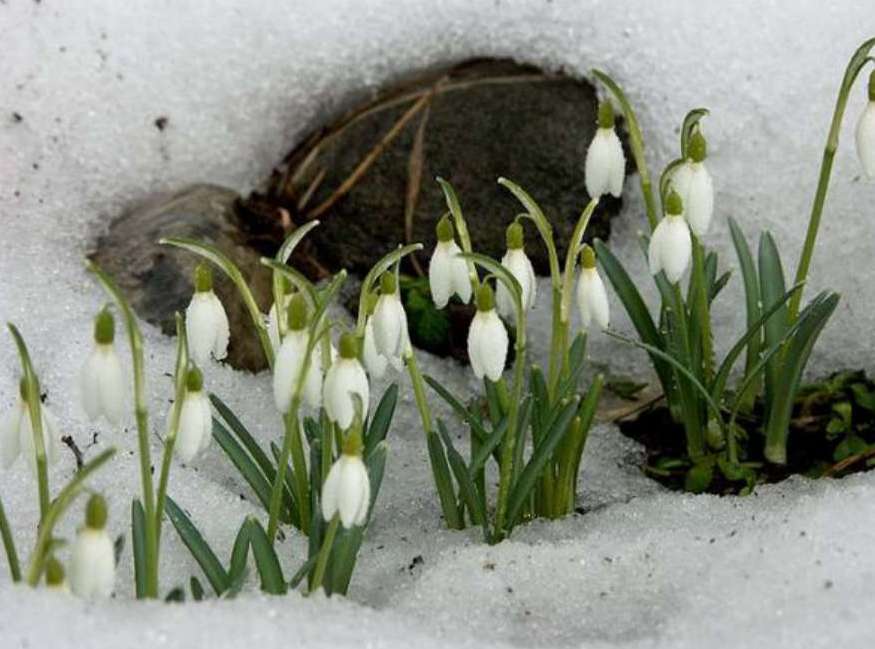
(81, 86)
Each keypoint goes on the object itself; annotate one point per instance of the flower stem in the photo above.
(855, 65)
(324, 554)
(291, 439)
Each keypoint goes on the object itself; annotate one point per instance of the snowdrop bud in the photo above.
(206, 320)
(344, 379)
(487, 338)
(866, 132)
(56, 577)
(447, 272)
(592, 298)
(290, 358)
(347, 488)
(670, 245)
(519, 265)
(16, 433)
(92, 566)
(101, 383)
(195, 419)
(375, 362)
(692, 181)
(605, 166)
(389, 320)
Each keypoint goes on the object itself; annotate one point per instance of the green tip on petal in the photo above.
(485, 298)
(587, 257)
(54, 572)
(388, 283)
(297, 312)
(698, 149)
(515, 236)
(349, 346)
(203, 278)
(606, 114)
(353, 445)
(371, 303)
(673, 204)
(194, 379)
(444, 229)
(872, 85)
(95, 512)
(104, 327)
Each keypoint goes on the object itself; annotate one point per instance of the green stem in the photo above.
(291, 439)
(9, 546)
(855, 65)
(508, 446)
(703, 314)
(324, 554)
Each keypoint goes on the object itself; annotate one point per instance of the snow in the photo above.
(238, 83)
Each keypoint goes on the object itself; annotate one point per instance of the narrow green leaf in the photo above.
(382, 419)
(244, 464)
(443, 481)
(474, 500)
(266, 561)
(772, 288)
(138, 536)
(9, 546)
(263, 462)
(198, 547)
(239, 556)
(197, 590)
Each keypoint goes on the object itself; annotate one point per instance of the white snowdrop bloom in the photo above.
(195, 419)
(389, 320)
(101, 383)
(487, 338)
(347, 489)
(205, 320)
(670, 245)
(16, 433)
(447, 272)
(345, 378)
(866, 132)
(375, 362)
(605, 166)
(592, 298)
(520, 266)
(692, 181)
(92, 564)
(290, 358)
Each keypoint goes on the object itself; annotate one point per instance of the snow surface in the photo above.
(791, 566)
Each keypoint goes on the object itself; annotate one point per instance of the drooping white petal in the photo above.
(605, 166)
(592, 299)
(670, 248)
(375, 362)
(273, 326)
(343, 379)
(520, 266)
(693, 183)
(448, 274)
(102, 385)
(287, 368)
(10, 434)
(865, 137)
(92, 564)
(487, 345)
(50, 438)
(390, 324)
(207, 326)
(347, 491)
(195, 426)
(331, 492)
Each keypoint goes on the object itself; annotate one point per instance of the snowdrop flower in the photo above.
(56, 577)
(866, 132)
(16, 433)
(692, 181)
(487, 338)
(345, 378)
(592, 299)
(206, 320)
(389, 322)
(195, 419)
(670, 245)
(273, 325)
(347, 489)
(290, 358)
(375, 362)
(519, 265)
(101, 382)
(605, 166)
(92, 566)
(447, 273)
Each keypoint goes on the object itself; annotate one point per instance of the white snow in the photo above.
(791, 566)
